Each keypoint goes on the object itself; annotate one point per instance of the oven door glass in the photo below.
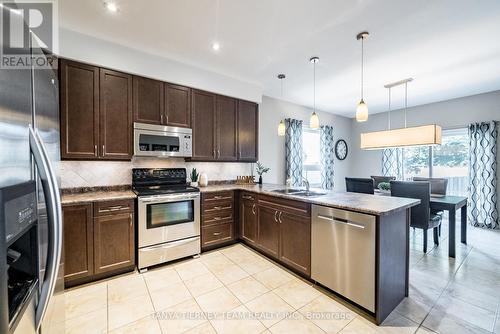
(170, 213)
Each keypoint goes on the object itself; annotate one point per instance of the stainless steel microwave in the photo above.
(162, 141)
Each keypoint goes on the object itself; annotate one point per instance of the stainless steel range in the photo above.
(168, 215)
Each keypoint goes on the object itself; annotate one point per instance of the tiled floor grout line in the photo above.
(446, 287)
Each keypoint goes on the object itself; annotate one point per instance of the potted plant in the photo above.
(194, 177)
(260, 169)
(384, 186)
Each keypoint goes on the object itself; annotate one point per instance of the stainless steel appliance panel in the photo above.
(162, 141)
(343, 253)
(152, 235)
(150, 256)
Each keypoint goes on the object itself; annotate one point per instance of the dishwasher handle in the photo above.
(340, 221)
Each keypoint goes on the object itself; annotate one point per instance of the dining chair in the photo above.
(380, 179)
(359, 185)
(421, 216)
(439, 187)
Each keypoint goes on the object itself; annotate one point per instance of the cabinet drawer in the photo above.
(218, 196)
(215, 207)
(216, 234)
(217, 218)
(112, 207)
(248, 196)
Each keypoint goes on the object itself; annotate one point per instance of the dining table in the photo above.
(451, 204)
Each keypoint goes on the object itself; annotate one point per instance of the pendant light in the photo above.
(362, 108)
(314, 121)
(281, 126)
(425, 135)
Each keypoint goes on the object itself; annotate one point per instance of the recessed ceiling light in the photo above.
(215, 46)
(111, 6)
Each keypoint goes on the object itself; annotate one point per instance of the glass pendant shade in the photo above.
(362, 111)
(281, 129)
(314, 121)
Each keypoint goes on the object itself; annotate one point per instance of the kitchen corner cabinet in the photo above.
(248, 218)
(96, 113)
(248, 131)
(99, 240)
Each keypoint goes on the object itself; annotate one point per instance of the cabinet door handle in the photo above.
(217, 233)
(247, 197)
(218, 153)
(279, 217)
(131, 220)
(276, 216)
(102, 149)
(95, 150)
(253, 209)
(161, 119)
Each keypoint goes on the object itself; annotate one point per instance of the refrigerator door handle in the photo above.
(53, 202)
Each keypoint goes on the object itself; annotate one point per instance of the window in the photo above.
(450, 160)
(311, 163)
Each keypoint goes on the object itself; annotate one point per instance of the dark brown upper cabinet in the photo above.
(96, 113)
(79, 94)
(148, 100)
(177, 106)
(248, 131)
(226, 125)
(115, 130)
(203, 125)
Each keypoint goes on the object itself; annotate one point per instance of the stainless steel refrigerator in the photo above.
(31, 261)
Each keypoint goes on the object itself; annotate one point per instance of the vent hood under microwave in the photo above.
(162, 141)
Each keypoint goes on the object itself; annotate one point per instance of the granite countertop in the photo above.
(87, 195)
(371, 204)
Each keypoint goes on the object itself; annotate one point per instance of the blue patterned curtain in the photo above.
(392, 162)
(327, 147)
(483, 210)
(293, 151)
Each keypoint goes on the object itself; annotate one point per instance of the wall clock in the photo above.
(341, 149)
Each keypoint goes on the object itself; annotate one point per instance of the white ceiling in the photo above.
(450, 47)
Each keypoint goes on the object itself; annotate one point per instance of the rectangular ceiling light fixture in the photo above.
(425, 135)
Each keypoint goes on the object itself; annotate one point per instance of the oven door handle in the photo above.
(168, 198)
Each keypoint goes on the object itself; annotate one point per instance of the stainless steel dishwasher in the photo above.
(343, 253)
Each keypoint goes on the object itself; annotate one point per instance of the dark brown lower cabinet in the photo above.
(295, 241)
(113, 242)
(98, 243)
(283, 229)
(78, 242)
(268, 230)
(248, 218)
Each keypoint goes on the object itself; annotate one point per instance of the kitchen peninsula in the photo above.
(282, 227)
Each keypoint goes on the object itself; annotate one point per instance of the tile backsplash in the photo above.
(108, 173)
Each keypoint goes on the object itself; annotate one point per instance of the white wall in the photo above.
(272, 147)
(448, 114)
(77, 46)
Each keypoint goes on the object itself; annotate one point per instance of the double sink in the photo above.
(298, 192)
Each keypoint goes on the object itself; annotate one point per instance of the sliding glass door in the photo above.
(450, 160)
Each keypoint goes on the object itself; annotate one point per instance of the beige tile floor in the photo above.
(236, 290)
